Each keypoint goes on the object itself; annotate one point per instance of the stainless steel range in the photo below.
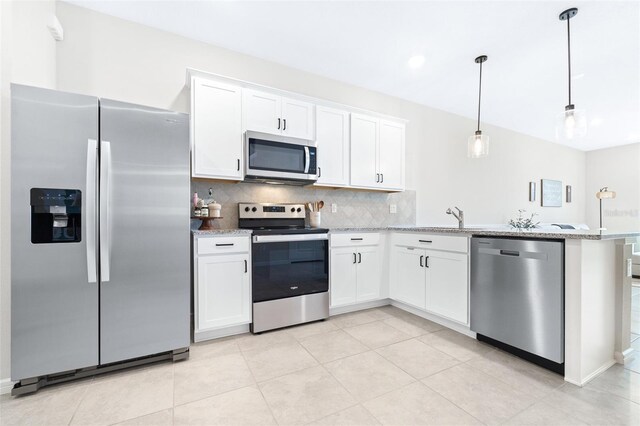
(290, 266)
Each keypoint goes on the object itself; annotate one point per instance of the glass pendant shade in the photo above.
(571, 124)
(478, 145)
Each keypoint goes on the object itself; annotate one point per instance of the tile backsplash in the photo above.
(355, 208)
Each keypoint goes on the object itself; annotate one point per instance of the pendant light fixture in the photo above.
(478, 144)
(572, 123)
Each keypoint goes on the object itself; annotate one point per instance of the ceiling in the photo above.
(368, 44)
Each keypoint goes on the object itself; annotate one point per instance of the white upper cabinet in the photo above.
(297, 119)
(377, 153)
(391, 155)
(332, 137)
(262, 111)
(216, 130)
(269, 113)
(364, 151)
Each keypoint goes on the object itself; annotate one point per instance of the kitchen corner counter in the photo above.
(564, 234)
(230, 231)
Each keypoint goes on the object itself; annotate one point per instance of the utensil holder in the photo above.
(314, 219)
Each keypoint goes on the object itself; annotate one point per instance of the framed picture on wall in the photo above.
(551, 193)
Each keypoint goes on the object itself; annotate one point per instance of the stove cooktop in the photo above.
(287, 231)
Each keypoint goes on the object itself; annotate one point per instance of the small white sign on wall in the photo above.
(551, 193)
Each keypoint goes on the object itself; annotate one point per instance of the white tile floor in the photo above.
(380, 366)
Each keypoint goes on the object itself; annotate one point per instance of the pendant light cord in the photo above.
(568, 55)
(479, 95)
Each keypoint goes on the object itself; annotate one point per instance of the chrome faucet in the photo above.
(459, 216)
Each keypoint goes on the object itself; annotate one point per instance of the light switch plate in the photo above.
(393, 208)
(629, 268)
(334, 208)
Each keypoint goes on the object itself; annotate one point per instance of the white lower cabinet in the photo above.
(222, 286)
(430, 279)
(355, 274)
(447, 289)
(409, 283)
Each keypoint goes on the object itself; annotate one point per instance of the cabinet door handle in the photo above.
(355, 260)
(319, 172)
(381, 177)
(238, 164)
(284, 127)
(356, 239)
(425, 241)
(278, 124)
(377, 177)
(245, 266)
(426, 262)
(224, 244)
(421, 261)
(359, 257)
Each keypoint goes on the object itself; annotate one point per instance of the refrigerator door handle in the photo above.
(90, 210)
(105, 218)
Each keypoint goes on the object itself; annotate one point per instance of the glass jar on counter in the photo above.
(204, 211)
(197, 212)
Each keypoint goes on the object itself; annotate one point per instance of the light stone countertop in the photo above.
(501, 232)
(574, 234)
(231, 231)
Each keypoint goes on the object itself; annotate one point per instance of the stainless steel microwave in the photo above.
(280, 159)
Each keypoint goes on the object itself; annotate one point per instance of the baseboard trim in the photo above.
(625, 356)
(6, 385)
(604, 367)
(460, 328)
(200, 336)
(359, 306)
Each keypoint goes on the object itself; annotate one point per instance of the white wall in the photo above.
(27, 56)
(619, 169)
(113, 58)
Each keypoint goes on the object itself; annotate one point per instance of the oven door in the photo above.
(272, 157)
(289, 265)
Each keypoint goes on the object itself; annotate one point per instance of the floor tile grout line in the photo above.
(84, 394)
(258, 387)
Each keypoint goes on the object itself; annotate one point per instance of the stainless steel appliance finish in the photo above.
(144, 231)
(517, 294)
(122, 290)
(280, 159)
(280, 313)
(54, 290)
(290, 279)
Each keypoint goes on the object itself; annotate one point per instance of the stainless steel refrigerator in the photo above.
(99, 235)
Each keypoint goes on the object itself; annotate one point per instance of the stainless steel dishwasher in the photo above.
(517, 297)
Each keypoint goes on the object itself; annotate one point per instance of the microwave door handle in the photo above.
(306, 160)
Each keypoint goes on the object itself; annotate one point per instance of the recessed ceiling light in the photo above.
(416, 61)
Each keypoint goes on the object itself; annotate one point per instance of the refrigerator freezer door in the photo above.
(144, 221)
(54, 293)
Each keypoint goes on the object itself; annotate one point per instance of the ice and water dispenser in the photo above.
(55, 215)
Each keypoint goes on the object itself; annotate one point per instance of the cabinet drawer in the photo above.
(221, 245)
(356, 239)
(432, 242)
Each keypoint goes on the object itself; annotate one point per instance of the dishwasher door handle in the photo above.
(509, 253)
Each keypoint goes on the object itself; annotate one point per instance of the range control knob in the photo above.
(298, 209)
(254, 209)
(246, 209)
(293, 209)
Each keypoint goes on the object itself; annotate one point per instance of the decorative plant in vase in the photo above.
(524, 223)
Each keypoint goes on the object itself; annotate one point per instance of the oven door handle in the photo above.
(289, 238)
(307, 159)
